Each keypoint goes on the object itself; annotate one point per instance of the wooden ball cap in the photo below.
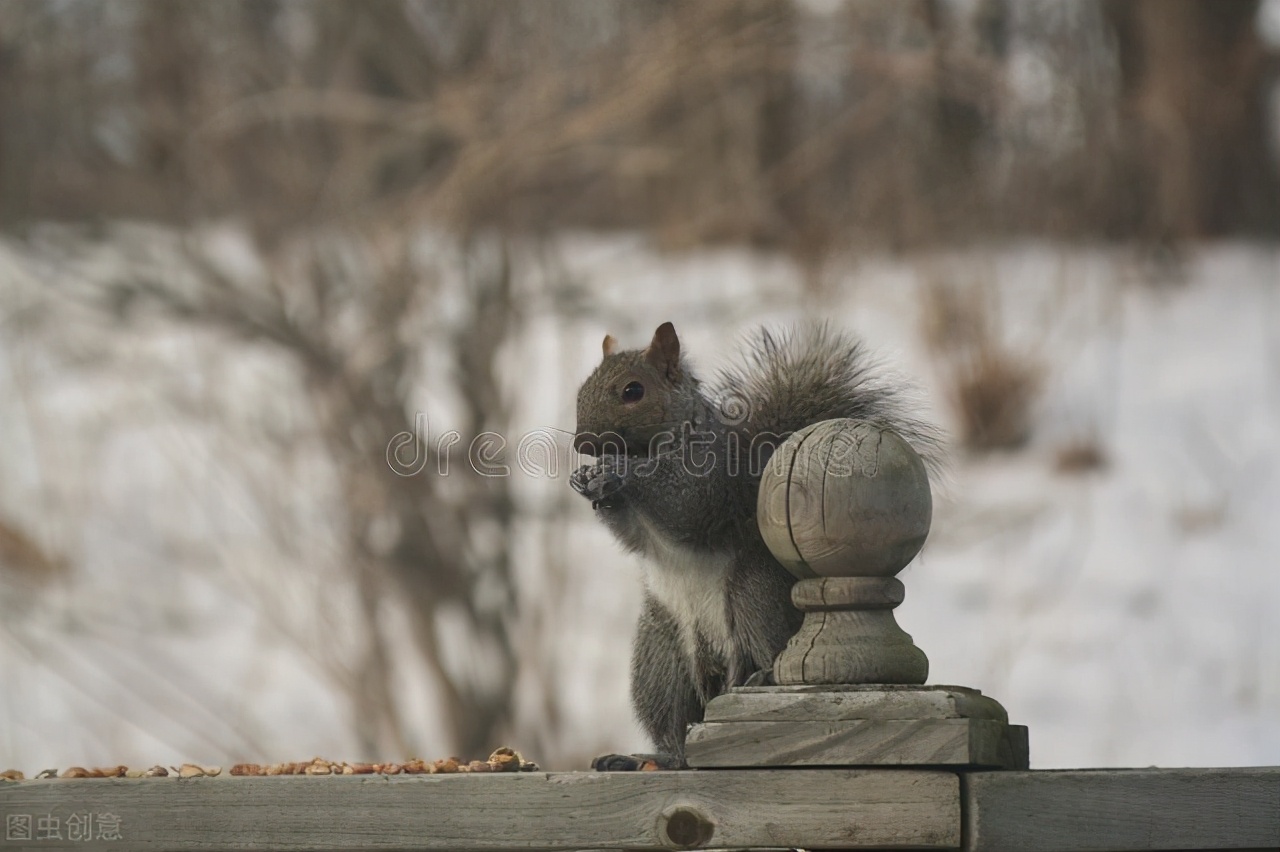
(844, 498)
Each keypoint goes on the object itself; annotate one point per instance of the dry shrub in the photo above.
(1202, 517)
(992, 387)
(22, 557)
(1082, 454)
(889, 124)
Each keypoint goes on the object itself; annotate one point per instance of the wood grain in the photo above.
(528, 811)
(840, 702)
(839, 593)
(844, 498)
(857, 646)
(1123, 810)
(888, 742)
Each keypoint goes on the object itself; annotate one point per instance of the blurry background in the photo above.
(245, 245)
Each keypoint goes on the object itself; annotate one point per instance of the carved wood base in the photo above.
(849, 635)
(874, 725)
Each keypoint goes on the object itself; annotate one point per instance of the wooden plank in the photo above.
(527, 811)
(1123, 810)
(838, 703)
(872, 742)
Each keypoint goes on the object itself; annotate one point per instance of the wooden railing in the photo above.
(982, 811)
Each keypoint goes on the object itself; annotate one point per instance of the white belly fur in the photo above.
(691, 584)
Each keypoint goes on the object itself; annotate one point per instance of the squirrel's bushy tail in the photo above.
(786, 380)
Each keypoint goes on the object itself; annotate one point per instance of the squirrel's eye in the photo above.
(633, 392)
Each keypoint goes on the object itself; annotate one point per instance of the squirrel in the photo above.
(677, 471)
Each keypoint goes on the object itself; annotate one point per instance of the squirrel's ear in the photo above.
(664, 350)
(610, 344)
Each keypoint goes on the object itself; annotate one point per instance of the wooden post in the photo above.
(845, 505)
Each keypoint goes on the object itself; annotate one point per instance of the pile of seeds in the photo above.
(502, 760)
(108, 772)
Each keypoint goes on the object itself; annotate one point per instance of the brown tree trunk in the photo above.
(1196, 80)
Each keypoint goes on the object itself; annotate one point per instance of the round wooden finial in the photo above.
(845, 505)
(844, 498)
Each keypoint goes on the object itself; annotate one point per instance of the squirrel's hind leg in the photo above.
(662, 687)
(763, 618)
(636, 762)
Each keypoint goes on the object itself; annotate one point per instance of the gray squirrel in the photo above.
(678, 467)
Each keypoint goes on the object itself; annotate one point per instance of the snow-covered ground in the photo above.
(1124, 614)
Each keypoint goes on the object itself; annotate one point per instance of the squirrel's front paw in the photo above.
(597, 482)
(579, 479)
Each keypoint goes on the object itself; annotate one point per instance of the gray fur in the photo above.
(792, 378)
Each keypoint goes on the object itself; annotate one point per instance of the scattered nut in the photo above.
(504, 760)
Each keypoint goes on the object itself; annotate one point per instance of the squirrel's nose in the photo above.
(585, 444)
